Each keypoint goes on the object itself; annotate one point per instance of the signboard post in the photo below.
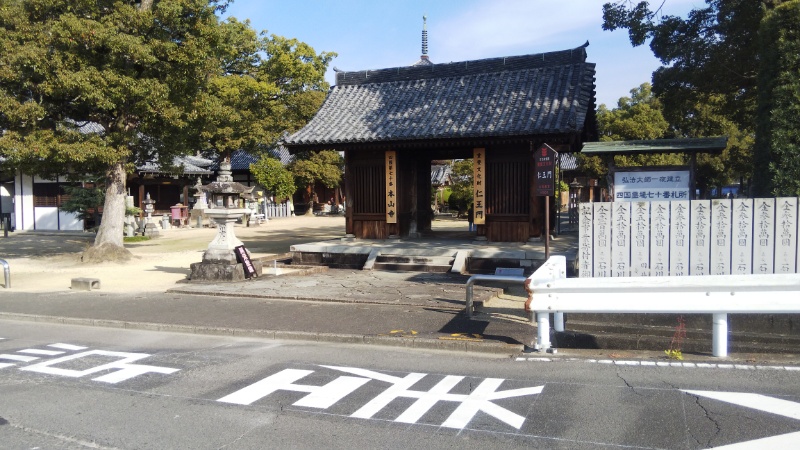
(545, 162)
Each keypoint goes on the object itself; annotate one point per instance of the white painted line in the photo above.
(34, 351)
(67, 346)
(4, 365)
(689, 365)
(782, 441)
(18, 357)
(760, 402)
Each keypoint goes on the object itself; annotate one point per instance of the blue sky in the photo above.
(380, 34)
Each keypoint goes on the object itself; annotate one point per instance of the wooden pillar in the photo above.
(348, 195)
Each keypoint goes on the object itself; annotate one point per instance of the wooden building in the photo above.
(391, 123)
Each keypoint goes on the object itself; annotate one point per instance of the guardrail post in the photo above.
(558, 321)
(542, 331)
(6, 273)
(719, 344)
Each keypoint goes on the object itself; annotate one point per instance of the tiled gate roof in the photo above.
(526, 95)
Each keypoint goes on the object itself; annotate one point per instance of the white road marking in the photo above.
(125, 370)
(67, 346)
(480, 399)
(789, 440)
(688, 365)
(319, 396)
(34, 351)
(20, 358)
(755, 401)
(4, 365)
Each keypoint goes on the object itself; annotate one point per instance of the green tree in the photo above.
(461, 195)
(638, 117)
(777, 134)
(709, 83)
(85, 201)
(155, 79)
(310, 168)
(270, 173)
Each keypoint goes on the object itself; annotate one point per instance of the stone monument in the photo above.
(219, 260)
(150, 228)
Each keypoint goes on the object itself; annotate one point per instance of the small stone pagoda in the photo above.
(220, 262)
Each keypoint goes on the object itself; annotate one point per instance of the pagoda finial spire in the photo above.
(424, 35)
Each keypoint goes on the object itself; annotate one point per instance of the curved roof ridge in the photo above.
(462, 68)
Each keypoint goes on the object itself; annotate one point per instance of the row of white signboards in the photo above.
(689, 237)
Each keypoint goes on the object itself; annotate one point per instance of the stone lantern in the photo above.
(150, 229)
(219, 260)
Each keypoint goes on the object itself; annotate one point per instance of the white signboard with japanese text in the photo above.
(742, 240)
(651, 186)
(786, 230)
(699, 237)
(640, 239)
(679, 239)
(621, 255)
(602, 239)
(764, 235)
(659, 239)
(721, 228)
(585, 241)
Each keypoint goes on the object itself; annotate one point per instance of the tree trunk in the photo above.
(108, 244)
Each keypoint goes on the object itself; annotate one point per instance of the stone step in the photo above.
(411, 267)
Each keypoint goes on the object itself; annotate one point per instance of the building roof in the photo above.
(516, 96)
(440, 174)
(689, 145)
(567, 161)
(190, 165)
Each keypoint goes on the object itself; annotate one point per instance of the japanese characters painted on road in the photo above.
(545, 161)
(391, 186)
(478, 184)
(120, 369)
(464, 403)
(243, 257)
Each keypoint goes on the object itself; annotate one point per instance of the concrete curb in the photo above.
(492, 293)
(483, 347)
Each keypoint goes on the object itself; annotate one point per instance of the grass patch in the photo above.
(131, 239)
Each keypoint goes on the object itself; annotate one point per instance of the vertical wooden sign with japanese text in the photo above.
(478, 183)
(545, 159)
(391, 186)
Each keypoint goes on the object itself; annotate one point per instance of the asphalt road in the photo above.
(85, 387)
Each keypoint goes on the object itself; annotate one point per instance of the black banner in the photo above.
(244, 259)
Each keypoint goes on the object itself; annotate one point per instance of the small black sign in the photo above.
(545, 161)
(244, 259)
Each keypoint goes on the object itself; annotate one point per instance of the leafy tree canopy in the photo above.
(154, 79)
(270, 173)
(711, 52)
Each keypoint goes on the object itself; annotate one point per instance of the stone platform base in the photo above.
(210, 271)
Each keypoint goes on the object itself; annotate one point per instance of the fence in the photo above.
(272, 210)
(718, 295)
(690, 237)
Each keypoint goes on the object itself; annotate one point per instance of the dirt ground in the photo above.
(47, 262)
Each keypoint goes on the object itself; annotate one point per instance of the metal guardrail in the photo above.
(6, 273)
(475, 278)
(718, 295)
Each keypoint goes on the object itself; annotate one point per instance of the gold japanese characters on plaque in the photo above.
(391, 186)
(478, 182)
